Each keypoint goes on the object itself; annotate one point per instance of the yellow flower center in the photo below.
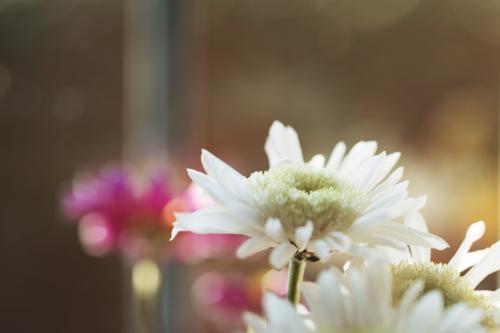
(366, 330)
(444, 278)
(296, 194)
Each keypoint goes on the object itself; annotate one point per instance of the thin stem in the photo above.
(296, 269)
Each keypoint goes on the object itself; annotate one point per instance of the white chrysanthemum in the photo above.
(361, 302)
(313, 208)
(415, 263)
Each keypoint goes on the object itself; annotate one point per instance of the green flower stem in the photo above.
(296, 269)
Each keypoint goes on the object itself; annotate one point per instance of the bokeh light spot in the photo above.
(146, 277)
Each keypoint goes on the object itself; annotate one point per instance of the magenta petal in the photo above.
(118, 209)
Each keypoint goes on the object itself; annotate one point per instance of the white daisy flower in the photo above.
(361, 302)
(415, 263)
(308, 208)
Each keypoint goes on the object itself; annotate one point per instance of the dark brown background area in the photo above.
(62, 111)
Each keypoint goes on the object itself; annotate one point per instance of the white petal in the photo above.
(412, 236)
(244, 212)
(361, 253)
(208, 184)
(487, 266)
(256, 324)
(460, 318)
(254, 245)
(410, 296)
(416, 221)
(339, 241)
(320, 248)
(356, 156)
(331, 311)
(336, 157)
(472, 258)
(427, 313)
(281, 254)
(358, 292)
(474, 233)
(395, 177)
(239, 208)
(282, 316)
(175, 231)
(420, 202)
(370, 220)
(275, 230)
(378, 281)
(319, 313)
(368, 172)
(213, 220)
(396, 256)
(412, 293)
(303, 235)
(406, 206)
(387, 165)
(283, 144)
(389, 197)
(369, 237)
(318, 161)
(229, 179)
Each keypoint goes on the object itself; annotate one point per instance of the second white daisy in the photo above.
(414, 263)
(360, 301)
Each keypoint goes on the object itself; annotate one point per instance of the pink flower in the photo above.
(222, 298)
(119, 210)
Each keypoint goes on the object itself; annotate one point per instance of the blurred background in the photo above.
(83, 83)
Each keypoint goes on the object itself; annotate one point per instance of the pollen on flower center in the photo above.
(444, 278)
(296, 194)
(368, 330)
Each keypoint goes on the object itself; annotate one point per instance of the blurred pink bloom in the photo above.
(222, 298)
(275, 281)
(118, 210)
(193, 248)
